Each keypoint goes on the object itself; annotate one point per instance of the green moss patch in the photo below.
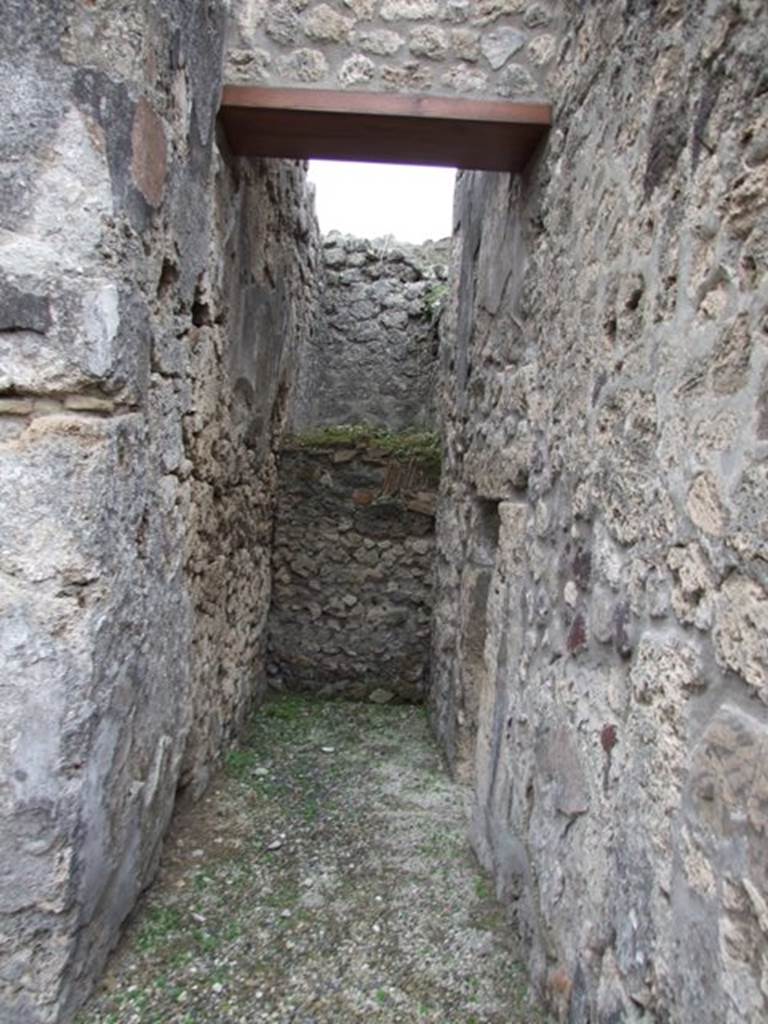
(422, 447)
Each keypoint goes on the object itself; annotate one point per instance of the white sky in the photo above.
(373, 200)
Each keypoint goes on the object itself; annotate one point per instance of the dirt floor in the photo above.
(325, 879)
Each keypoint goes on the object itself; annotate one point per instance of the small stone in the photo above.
(537, 16)
(487, 11)
(463, 79)
(217, 987)
(325, 25)
(356, 69)
(381, 42)
(457, 11)
(303, 65)
(466, 44)
(15, 406)
(328, 750)
(498, 46)
(85, 403)
(285, 913)
(542, 50)
(429, 41)
(282, 23)
(344, 455)
(517, 81)
(704, 506)
(570, 594)
(361, 8)
(409, 10)
(276, 844)
(380, 696)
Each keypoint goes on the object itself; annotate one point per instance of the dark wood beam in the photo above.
(493, 135)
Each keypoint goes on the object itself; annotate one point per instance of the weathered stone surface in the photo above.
(429, 41)
(356, 69)
(323, 24)
(303, 65)
(741, 632)
(600, 632)
(500, 44)
(403, 45)
(373, 357)
(381, 42)
(351, 604)
(149, 326)
(414, 10)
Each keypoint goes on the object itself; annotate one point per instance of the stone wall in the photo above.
(480, 48)
(373, 354)
(601, 642)
(148, 331)
(353, 553)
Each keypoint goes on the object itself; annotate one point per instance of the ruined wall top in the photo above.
(482, 49)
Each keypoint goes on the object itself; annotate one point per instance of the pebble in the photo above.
(328, 750)
(275, 844)
(380, 696)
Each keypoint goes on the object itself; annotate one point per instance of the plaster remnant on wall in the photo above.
(149, 159)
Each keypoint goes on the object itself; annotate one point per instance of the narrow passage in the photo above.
(325, 878)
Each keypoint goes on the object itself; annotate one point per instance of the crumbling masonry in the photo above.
(600, 637)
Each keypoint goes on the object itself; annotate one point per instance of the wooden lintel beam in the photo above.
(302, 123)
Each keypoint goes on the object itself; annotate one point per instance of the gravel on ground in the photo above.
(325, 878)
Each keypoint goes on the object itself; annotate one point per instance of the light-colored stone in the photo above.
(741, 631)
(500, 44)
(361, 8)
(704, 505)
(16, 406)
(429, 41)
(303, 65)
(89, 403)
(282, 23)
(381, 42)
(357, 70)
(465, 43)
(542, 50)
(323, 24)
(465, 79)
(409, 10)
(489, 11)
(428, 45)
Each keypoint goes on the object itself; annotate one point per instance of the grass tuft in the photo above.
(419, 446)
